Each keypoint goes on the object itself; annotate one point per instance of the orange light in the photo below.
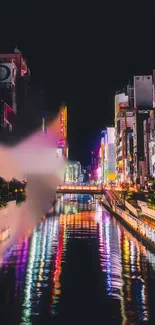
(78, 187)
(93, 188)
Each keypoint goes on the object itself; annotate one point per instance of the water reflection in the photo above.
(43, 247)
(80, 260)
(56, 273)
(73, 203)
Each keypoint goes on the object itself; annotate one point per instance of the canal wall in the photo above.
(146, 210)
(140, 229)
(132, 209)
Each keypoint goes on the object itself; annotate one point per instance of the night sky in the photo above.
(80, 55)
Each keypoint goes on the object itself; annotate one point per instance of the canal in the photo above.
(80, 266)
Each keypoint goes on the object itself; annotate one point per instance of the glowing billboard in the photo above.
(111, 162)
(63, 121)
(143, 92)
(121, 101)
(18, 60)
(111, 134)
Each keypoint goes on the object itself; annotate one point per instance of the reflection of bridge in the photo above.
(85, 189)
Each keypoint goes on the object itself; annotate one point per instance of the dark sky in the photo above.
(81, 55)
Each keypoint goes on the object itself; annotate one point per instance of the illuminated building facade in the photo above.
(148, 170)
(8, 76)
(73, 173)
(14, 76)
(152, 144)
(107, 156)
(102, 152)
(123, 122)
(143, 103)
(152, 134)
(95, 164)
(129, 155)
(138, 145)
(146, 130)
(132, 113)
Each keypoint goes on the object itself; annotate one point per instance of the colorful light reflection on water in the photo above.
(80, 265)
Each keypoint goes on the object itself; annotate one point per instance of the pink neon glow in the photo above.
(99, 171)
(36, 160)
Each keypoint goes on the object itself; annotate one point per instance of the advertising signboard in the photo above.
(143, 92)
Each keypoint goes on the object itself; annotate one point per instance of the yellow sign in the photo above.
(63, 121)
(112, 177)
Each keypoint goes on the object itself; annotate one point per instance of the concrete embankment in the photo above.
(139, 229)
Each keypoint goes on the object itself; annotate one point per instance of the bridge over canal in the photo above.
(80, 189)
(110, 195)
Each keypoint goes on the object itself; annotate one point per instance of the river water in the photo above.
(80, 266)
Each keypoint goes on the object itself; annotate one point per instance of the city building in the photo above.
(152, 134)
(95, 163)
(129, 156)
(14, 78)
(152, 144)
(107, 168)
(73, 173)
(145, 173)
(134, 152)
(123, 123)
(143, 103)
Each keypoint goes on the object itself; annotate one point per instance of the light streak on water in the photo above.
(111, 266)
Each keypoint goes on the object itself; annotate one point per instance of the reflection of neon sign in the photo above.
(56, 290)
(27, 306)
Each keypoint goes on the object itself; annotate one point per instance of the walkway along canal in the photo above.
(138, 226)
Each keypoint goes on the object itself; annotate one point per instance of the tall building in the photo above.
(14, 76)
(123, 122)
(102, 154)
(132, 112)
(152, 134)
(129, 156)
(95, 163)
(143, 103)
(152, 144)
(8, 77)
(146, 173)
(108, 156)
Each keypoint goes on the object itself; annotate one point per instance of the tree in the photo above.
(151, 200)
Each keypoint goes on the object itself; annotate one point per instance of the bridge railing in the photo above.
(79, 188)
(138, 225)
